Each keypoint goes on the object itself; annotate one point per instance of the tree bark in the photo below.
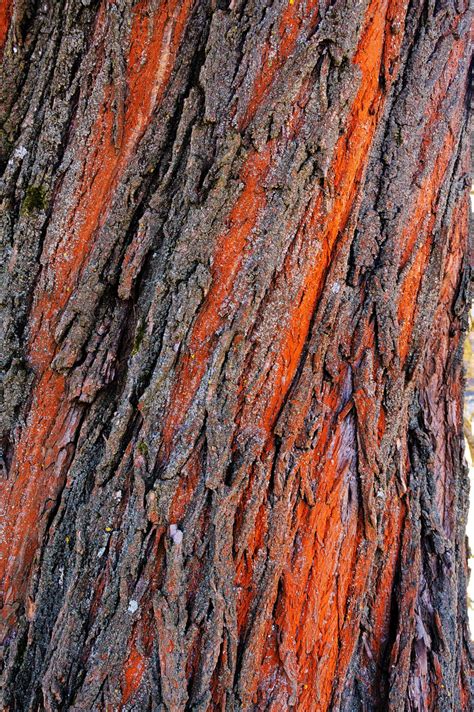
(235, 285)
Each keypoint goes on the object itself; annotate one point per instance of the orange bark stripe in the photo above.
(348, 165)
(229, 255)
(23, 496)
(438, 96)
(295, 15)
(6, 8)
(133, 671)
(149, 67)
(422, 220)
(315, 622)
(384, 587)
(420, 210)
(350, 160)
(31, 484)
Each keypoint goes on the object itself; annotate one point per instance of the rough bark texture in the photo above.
(234, 293)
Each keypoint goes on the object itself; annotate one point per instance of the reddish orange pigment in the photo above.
(348, 166)
(320, 528)
(154, 42)
(22, 512)
(141, 641)
(382, 595)
(153, 45)
(229, 256)
(295, 16)
(418, 234)
(231, 251)
(243, 580)
(438, 96)
(439, 92)
(306, 612)
(308, 623)
(6, 9)
(134, 668)
(136, 662)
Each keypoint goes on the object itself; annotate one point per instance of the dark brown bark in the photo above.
(235, 286)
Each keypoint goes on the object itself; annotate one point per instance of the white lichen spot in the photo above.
(178, 537)
(176, 534)
(118, 495)
(336, 287)
(20, 152)
(132, 606)
(101, 552)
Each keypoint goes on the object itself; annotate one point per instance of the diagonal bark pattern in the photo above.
(234, 291)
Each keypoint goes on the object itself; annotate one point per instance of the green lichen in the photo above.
(34, 200)
(142, 448)
(139, 334)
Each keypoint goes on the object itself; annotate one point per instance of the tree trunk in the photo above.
(235, 287)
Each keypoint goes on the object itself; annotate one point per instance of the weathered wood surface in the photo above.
(234, 291)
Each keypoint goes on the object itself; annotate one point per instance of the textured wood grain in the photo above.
(234, 295)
